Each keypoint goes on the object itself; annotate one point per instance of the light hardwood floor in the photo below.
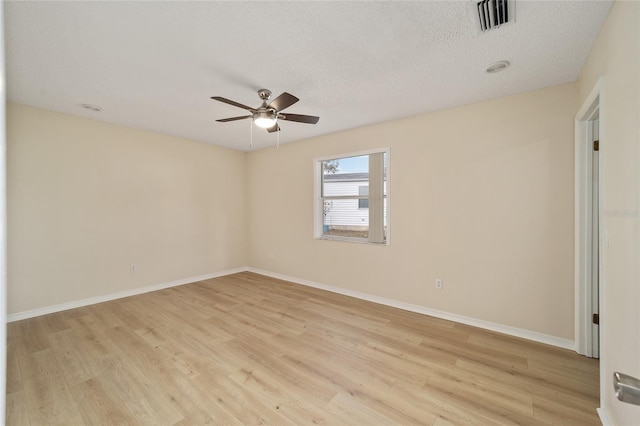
(248, 349)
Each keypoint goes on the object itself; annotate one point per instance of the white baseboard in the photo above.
(604, 417)
(119, 295)
(500, 328)
(487, 325)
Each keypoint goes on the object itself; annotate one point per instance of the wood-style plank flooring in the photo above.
(248, 349)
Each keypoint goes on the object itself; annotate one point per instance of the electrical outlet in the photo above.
(133, 267)
(438, 284)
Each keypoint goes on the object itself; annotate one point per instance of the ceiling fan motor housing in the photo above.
(264, 94)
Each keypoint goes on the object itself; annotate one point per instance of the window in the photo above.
(352, 197)
(363, 203)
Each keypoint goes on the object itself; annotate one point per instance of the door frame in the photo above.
(591, 107)
(3, 224)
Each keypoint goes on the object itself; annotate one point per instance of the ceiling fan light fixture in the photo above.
(265, 119)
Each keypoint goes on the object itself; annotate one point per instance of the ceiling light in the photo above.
(94, 108)
(265, 119)
(497, 67)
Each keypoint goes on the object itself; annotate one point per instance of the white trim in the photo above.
(351, 154)
(487, 325)
(119, 295)
(582, 213)
(587, 108)
(604, 417)
(3, 222)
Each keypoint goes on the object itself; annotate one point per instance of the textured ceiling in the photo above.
(154, 65)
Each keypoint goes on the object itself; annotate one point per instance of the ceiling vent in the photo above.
(491, 14)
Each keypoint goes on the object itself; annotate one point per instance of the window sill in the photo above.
(350, 240)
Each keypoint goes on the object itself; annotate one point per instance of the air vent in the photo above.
(493, 13)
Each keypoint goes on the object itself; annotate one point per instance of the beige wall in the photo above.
(481, 196)
(87, 199)
(616, 56)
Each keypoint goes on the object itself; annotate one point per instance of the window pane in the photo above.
(343, 218)
(363, 203)
(343, 176)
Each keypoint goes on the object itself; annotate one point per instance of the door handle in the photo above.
(627, 388)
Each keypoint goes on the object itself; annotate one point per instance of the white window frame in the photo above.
(318, 216)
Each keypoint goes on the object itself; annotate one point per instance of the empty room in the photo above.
(321, 212)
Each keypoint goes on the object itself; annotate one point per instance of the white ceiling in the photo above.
(155, 65)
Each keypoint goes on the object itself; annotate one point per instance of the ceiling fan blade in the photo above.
(224, 120)
(274, 128)
(309, 119)
(234, 103)
(283, 101)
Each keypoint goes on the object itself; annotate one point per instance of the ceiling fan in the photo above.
(268, 114)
